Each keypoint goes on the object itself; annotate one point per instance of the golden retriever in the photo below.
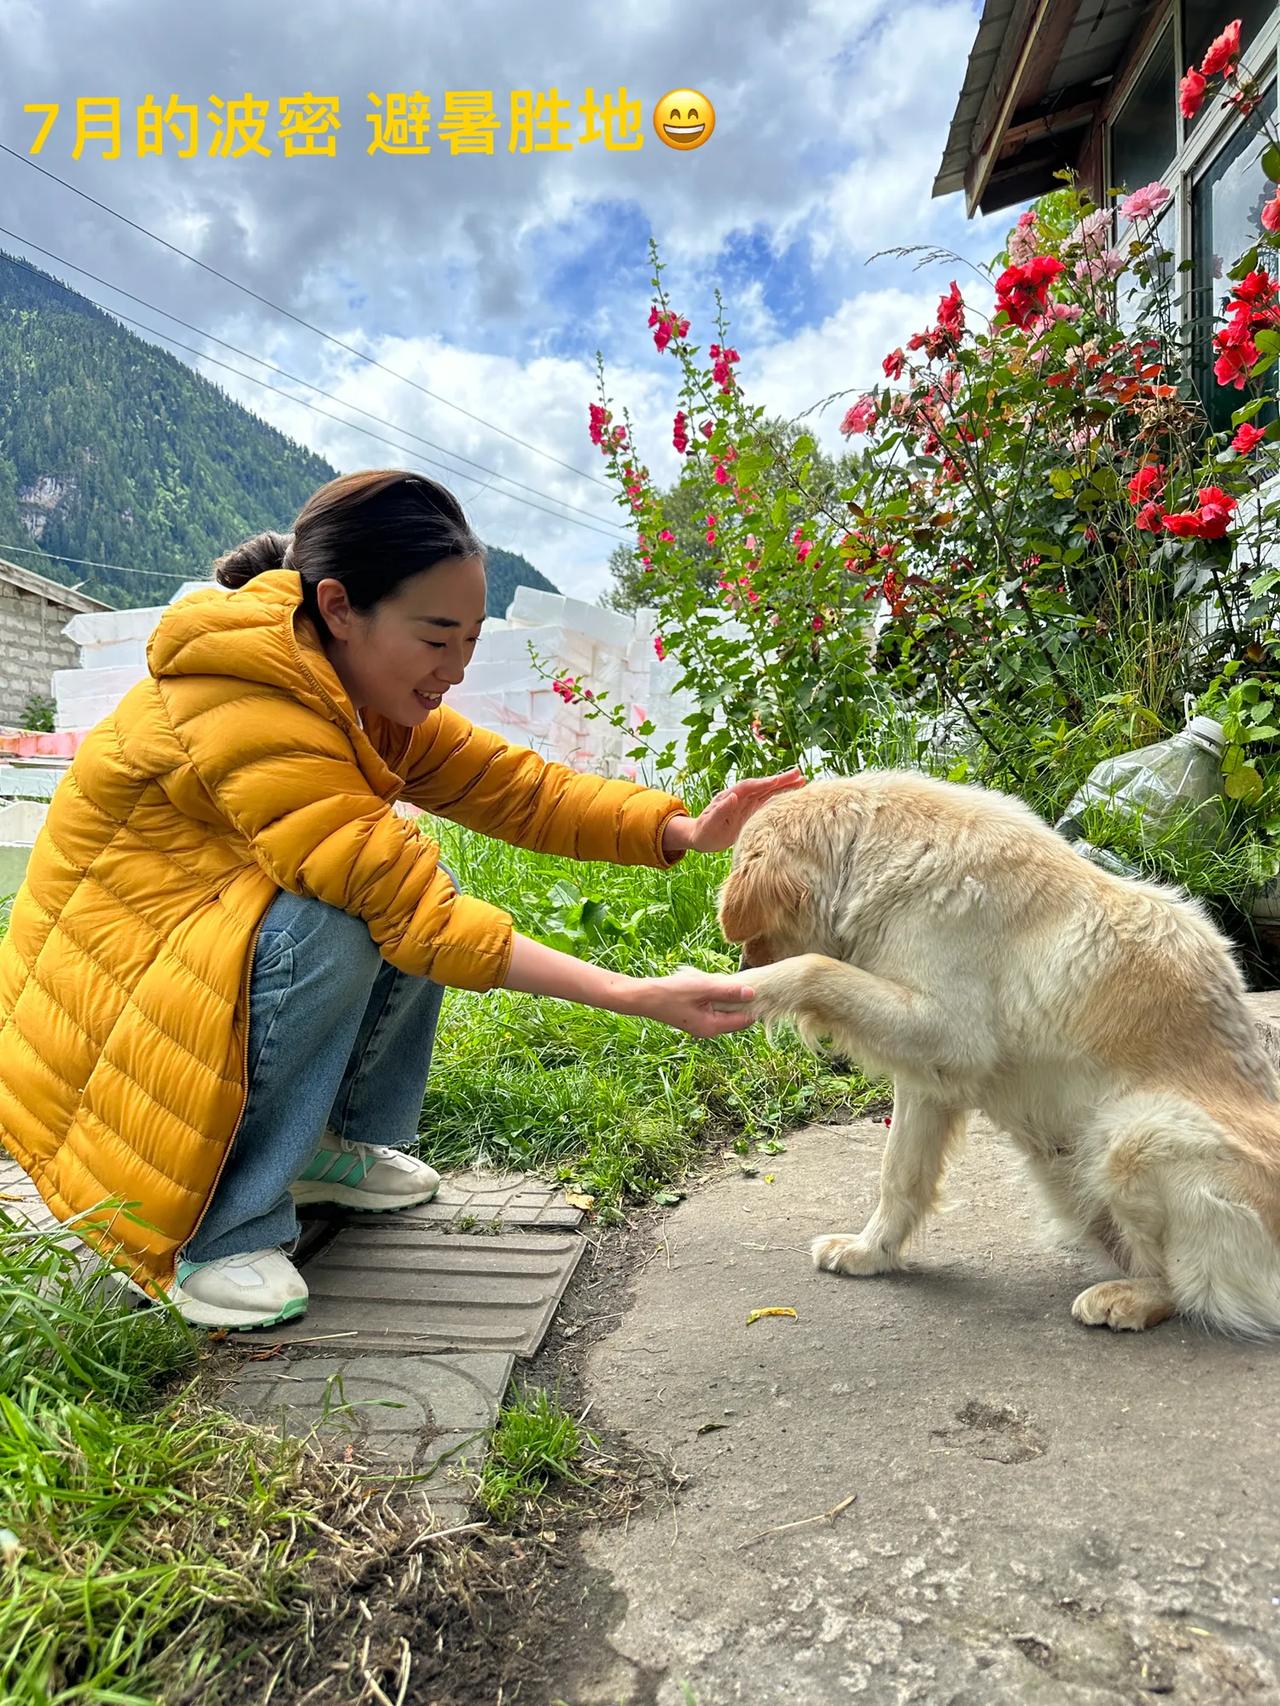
(945, 935)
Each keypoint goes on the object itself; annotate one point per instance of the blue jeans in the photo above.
(338, 1038)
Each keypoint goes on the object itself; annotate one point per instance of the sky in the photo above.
(483, 286)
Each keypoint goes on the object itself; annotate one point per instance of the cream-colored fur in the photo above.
(946, 936)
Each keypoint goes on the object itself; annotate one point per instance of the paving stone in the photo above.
(479, 1200)
(386, 1284)
(401, 1414)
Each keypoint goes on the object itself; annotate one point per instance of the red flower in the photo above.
(1209, 521)
(1191, 93)
(1255, 288)
(679, 432)
(1021, 292)
(1247, 438)
(1223, 52)
(1149, 518)
(951, 312)
(599, 420)
(1215, 509)
(1233, 365)
(893, 364)
(1271, 214)
(1147, 483)
(659, 647)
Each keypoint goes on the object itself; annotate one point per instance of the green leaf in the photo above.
(1245, 264)
(1268, 342)
(1244, 784)
(1271, 166)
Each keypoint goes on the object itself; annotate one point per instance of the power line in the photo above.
(297, 379)
(353, 426)
(297, 318)
(91, 563)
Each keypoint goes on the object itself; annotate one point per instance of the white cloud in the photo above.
(491, 281)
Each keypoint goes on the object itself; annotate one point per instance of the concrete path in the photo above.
(1042, 1512)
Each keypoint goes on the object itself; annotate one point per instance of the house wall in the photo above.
(32, 647)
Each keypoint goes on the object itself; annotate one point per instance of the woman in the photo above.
(220, 984)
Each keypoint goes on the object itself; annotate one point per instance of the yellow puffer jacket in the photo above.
(236, 770)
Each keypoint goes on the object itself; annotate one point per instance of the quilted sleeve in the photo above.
(286, 780)
(477, 779)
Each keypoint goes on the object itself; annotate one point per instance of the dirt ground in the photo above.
(1041, 1512)
(928, 1487)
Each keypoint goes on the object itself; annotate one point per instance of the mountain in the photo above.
(113, 450)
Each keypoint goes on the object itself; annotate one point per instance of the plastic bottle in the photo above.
(1177, 781)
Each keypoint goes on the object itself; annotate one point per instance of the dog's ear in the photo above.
(759, 894)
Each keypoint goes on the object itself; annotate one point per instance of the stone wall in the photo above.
(32, 647)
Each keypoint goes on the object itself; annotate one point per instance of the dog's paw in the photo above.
(1126, 1306)
(846, 1253)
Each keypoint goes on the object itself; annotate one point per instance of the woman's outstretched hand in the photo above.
(702, 1003)
(721, 822)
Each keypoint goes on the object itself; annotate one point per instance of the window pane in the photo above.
(1203, 20)
(1226, 220)
(1155, 308)
(1144, 136)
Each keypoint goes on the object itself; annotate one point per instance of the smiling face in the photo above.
(400, 658)
(684, 119)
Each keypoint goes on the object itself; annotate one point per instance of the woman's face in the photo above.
(400, 658)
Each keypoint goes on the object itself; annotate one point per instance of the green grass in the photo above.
(535, 1445)
(152, 1539)
(619, 1107)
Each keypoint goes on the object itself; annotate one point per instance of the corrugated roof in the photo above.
(29, 581)
(1096, 45)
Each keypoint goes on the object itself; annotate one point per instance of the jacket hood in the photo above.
(250, 634)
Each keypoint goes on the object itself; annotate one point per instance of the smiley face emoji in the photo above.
(684, 119)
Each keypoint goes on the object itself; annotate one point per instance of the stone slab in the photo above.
(384, 1285)
(471, 1200)
(420, 1415)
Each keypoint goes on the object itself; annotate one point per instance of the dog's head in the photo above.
(764, 904)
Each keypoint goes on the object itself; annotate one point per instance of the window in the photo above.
(1226, 206)
(1144, 134)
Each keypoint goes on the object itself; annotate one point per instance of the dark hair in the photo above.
(371, 531)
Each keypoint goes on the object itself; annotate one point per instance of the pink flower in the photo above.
(893, 364)
(1146, 203)
(861, 417)
(679, 432)
(720, 474)
(1223, 52)
(1191, 93)
(1109, 264)
(1247, 438)
(599, 420)
(660, 650)
(720, 364)
(707, 428)
(669, 325)
(567, 687)
(1023, 242)
(1091, 228)
(817, 624)
(1271, 214)
(667, 536)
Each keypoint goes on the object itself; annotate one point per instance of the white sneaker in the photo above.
(259, 1289)
(364, 1175)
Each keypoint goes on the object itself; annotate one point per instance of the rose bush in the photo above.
(1042, 543)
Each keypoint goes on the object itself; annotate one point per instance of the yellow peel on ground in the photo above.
(758, 1314)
